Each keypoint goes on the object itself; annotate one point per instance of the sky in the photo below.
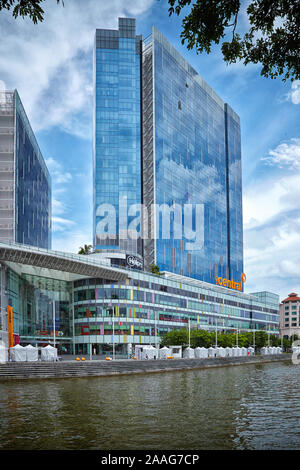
(51, 66)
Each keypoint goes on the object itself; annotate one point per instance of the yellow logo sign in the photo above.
(230, 283)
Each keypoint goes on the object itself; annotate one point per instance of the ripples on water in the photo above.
(242, 407)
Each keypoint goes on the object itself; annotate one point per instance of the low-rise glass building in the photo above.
(88, 305)
(25, 183)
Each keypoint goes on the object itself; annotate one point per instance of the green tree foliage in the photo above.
(203, 338)
(85, 250)
(261, 339)
(154, 269)
(175, 338)
(31, 8)
(273, 37)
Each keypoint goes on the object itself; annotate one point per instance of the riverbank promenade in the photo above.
(99, 368)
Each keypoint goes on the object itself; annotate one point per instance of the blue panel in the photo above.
(191, 168)
(32, 187)
(234, 193)
(117, 133)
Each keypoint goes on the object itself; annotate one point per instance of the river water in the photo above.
(241, 407)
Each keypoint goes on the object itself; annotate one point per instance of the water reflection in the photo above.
(243, 407)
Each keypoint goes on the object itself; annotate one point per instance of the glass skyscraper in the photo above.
(192, 152)
(25, 184)
(188, 152)
(117, 132)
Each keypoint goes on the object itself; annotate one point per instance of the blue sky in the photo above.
(51, 66)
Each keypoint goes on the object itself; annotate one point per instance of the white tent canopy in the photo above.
(176, 351)
(264, 350)
(189, 353)
(32, 353)
(138, 351)
(18, 353)
(149, 352)
(3, 353)
(221, 352)
(204, 352)
(198, 352)
(49, 353)
(212, 352)
(164, 353)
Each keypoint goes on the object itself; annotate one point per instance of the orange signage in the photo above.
(230, 283)
(10, 328)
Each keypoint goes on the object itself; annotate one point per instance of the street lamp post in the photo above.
(189, 333)
(113, 325)
(155, 329)
(216, 345)
(53, 311)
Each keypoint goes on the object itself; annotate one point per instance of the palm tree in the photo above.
(85, 250)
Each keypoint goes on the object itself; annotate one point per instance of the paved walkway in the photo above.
(100, 368)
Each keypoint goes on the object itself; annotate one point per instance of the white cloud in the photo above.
(272, 225)
(58, 207)
(51, 63)
(60, 225)
(71, 241)
(294, 94)
(286, 154)
(57, 172)
(58, 176)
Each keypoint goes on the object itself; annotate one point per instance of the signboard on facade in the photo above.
(134, 262)
(230, 283)
(16, 339)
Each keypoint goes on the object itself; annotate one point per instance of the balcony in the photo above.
(7, 130)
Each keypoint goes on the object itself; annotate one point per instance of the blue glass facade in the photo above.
(234, 192)
(32, 186)
(117, 132)
(153, 111)
(34, 300)
(196, 161)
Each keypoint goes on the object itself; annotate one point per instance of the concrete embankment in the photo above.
(69, 369)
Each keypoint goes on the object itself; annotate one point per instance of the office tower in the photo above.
(25, 185)
(117, 132)
(190, 155)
